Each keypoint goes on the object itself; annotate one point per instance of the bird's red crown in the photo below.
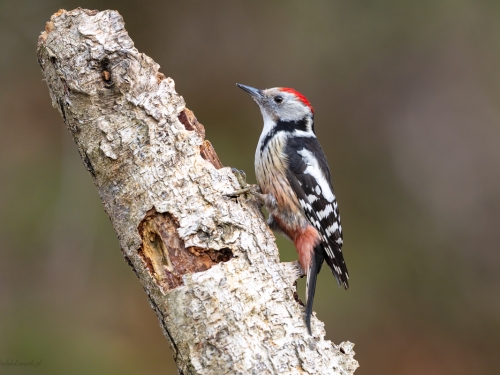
(299, 96)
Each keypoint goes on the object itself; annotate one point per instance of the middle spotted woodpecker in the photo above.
(294, 178)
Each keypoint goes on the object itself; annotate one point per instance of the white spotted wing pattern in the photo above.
(310, 179)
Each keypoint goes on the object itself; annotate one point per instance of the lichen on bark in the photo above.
(208, 263)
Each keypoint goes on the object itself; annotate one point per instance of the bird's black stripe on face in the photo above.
(284, 126)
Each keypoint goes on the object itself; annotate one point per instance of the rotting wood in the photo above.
(165, 254)
(207, 152)
(209, 264)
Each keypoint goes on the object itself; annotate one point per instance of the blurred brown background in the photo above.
(407, 109)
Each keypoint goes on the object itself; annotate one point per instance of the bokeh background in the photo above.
(407, 109)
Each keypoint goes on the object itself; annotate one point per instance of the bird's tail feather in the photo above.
(342, 277)
(312, 275)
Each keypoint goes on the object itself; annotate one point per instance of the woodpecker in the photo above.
(295, 182)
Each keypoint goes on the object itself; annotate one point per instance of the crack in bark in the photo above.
(88, 164)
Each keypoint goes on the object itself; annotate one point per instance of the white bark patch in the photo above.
(108, 149)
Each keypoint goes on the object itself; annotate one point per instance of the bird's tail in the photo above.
(339, 269)
(312, 275)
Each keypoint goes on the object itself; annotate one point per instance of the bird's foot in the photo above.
(241, 176)
(244, 187)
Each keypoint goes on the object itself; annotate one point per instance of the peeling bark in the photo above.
(209, 264)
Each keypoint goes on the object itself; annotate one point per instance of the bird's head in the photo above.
(281, 104)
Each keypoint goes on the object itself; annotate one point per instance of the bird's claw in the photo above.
(238, 192)
(245, 188)
(241, 177)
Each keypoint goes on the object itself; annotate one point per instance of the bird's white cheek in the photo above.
(293, 112)
(268, 122)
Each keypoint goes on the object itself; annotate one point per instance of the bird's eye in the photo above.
(278, 99)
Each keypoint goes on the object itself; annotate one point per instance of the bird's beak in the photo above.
(255, 93)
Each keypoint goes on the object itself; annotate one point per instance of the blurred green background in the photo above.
(407, 110)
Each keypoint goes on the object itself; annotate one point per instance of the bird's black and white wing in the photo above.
(309, 177)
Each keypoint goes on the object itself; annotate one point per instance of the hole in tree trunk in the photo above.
(165, 255)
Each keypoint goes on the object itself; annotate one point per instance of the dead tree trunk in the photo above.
(209, 264)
